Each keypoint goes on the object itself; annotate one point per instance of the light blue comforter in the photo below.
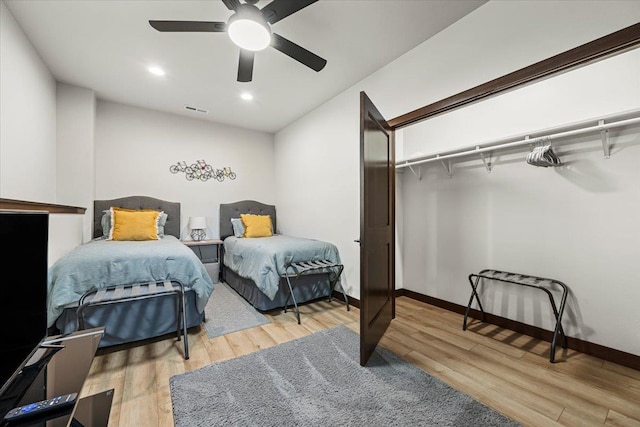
(101, 263)
(264, 259)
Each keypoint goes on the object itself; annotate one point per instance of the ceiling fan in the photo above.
(250, 29)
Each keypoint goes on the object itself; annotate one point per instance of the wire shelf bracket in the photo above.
(417, 174)
(486, 159)
(447, 167)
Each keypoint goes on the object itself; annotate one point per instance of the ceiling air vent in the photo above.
(195, 110)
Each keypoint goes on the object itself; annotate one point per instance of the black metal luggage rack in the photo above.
(523, 280)
(140, 291)
(296, 269)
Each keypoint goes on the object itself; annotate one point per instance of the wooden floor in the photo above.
(505, 370)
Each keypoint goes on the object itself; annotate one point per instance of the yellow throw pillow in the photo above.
(127, 224)
(257, 225)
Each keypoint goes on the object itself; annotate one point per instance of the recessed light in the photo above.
(157, 71)
(246, 96)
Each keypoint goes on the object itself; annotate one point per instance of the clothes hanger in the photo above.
(543, 155)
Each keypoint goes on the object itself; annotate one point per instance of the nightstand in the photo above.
(208, 251)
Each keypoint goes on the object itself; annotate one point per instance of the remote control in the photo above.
(39, 408)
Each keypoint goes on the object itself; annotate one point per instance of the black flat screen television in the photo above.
(24, 237)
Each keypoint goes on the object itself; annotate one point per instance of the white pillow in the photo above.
(238, 227)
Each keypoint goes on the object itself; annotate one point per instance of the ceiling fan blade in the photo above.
(298, 53)
(280, 9)
(189, 26)
(231, 4)
(245, 65)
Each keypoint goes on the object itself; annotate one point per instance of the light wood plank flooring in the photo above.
(507, 371)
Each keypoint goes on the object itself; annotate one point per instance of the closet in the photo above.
(534, 180)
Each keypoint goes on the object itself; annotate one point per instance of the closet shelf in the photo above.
(601, 125)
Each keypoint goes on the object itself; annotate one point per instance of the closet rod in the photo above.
(478, 149)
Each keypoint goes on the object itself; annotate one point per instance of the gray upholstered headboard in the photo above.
(172, 209)
(233, 210)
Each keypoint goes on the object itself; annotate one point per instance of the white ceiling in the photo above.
(107, 45)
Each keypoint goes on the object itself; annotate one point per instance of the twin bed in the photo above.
(101, 263)
(256, 268)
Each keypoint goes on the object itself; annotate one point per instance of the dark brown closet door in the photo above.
(377, 227)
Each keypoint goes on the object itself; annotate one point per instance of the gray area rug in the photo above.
(227, 312)
(318, 381)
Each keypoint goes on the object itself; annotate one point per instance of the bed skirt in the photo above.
(131, 321)
(308, 288)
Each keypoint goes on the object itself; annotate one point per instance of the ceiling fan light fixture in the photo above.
(249, 30)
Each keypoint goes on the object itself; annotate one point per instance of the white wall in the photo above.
(317, 181)
(76, 111)
(135, 148)
(597, 90)
(27, 118)
(498, 38)
(28, 149)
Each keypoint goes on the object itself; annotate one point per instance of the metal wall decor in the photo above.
(202, 171)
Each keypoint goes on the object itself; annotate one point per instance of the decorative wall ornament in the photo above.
(202, 171)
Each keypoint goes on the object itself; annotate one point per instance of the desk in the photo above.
(59, 366)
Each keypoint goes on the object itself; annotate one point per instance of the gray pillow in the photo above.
(105, 221)
(162, 220)
(238, 227)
